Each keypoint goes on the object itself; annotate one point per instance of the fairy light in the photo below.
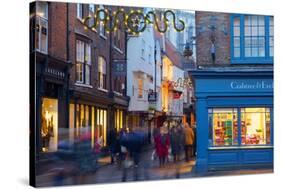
(154, 22)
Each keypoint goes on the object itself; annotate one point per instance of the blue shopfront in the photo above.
(234, 111)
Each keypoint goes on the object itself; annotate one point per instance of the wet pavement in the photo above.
(147, 170)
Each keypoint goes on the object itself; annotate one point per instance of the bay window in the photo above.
(83, 62)
(102, 73)
(239, 126)
(251, 39)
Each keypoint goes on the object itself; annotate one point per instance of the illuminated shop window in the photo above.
(223, 122)
(101, 127)
(118, 119)
(255, 125)
(49, 125)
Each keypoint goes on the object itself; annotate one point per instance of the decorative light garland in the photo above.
(134, 22)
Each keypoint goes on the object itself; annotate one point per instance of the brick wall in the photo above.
(57, 30)
(204, 34)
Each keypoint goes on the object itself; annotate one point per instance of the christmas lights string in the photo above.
(134, 22)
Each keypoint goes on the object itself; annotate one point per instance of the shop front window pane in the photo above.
(93, 124)
(255, 126)
(224, 125)
(49, 125)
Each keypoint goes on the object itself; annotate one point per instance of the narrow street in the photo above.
(147, 170)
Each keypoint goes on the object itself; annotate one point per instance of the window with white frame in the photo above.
(91, 13)
(41, 33)
(83, 62)
(102, 73)
(80, 11)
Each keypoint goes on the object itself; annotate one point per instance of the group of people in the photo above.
(174, 141)
(125, 147)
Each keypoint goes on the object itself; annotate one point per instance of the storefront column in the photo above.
(202, 136)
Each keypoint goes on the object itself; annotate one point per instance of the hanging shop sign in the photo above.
(152, 97)
(134, 21)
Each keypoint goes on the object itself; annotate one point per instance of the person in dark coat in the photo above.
(176, 143)
(112, 142)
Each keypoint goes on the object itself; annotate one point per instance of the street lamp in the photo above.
(187, 50)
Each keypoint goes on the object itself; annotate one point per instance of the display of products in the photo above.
(225, 129)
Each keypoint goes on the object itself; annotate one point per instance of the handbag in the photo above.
(153, 155)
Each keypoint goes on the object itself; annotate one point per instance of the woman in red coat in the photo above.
(162, 143)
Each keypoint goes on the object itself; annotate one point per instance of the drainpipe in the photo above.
(67, 68)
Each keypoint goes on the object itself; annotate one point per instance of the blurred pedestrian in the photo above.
(162, 143)
(175, 143)
(194, 147)
(112, 142)
(189, 139)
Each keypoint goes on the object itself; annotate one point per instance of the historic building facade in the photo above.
(80, 75)
(234, 91)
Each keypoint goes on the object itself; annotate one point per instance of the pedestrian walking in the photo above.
(189, 139)
(194, 147)
(162, 143)
(175, 143)
(112, 142)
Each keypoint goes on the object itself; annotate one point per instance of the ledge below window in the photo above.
(104, 90)
(117, 93)
(117, 49)
(239, 147)
(83, 85)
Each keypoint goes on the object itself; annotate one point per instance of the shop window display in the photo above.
(224, 126)
(255, 126)
(100, 128)
(49, 125)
